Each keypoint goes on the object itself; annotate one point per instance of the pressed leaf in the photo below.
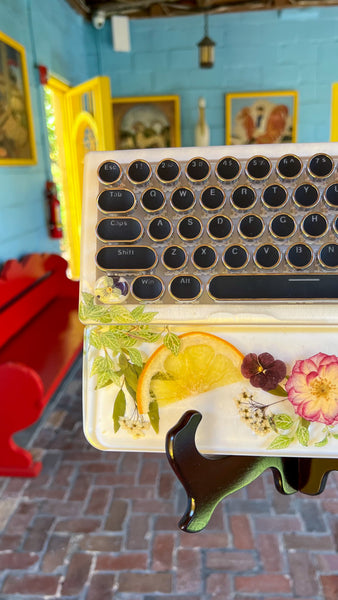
(131, 377)
(281, 441)
(126, 341)
(103, 379)
(101, 364)
(110, 340)
(335, 435)
(282, 421)
(88, 299)
(172, 342)
(137, 312)
(121, 314)
(123, 362)
(119, 409)
(147, 317)
(322, 442)
(95, 339)
(279, 391)
(154, 416)
(135, 357)
(130, 390)
(149, 336)
(303, 435)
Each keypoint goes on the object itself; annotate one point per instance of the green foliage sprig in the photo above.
(120, 361)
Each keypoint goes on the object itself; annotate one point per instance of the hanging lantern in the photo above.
(206, 48)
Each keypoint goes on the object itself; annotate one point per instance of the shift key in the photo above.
(128, 258)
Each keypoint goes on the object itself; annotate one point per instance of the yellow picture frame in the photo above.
(146, 122)
(17, 142)
(261, 117)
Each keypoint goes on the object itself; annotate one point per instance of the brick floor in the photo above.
(103, 526)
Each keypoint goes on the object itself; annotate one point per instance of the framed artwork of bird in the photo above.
(261, 117)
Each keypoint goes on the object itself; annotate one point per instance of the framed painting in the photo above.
(146, 122)
(17, 144)
(261, 117)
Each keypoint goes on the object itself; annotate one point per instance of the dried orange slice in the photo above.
(204, 362)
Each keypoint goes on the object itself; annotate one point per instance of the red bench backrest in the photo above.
(27, 286)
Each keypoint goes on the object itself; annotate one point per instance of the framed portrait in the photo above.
(146, 122)
(261, 117)
(17, 144)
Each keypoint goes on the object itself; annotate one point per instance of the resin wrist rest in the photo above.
(262, 389)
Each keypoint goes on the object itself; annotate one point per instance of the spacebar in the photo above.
(266, 287)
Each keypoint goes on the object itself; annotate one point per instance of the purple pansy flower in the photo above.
(263, 370)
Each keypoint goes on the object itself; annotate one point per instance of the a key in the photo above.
(139, 171)
(314, 225)
(182, 199)
(267, 256)
(299, 256)
(189, 228)
(185, 287)
(152, 200)
(174, 257)
(306, 195)
(282, 226)
(198, 169)
(262, 287)
(168, 170)
(125, 229)
(204, 257)
(235, 257)
(220, 227)
(274, 196)
(212, 198)
(243, 197)
(258, 168)
(328, 256)
(289, 166)
(126, 258)
(251, 226)
(159, 229)
(320, 166)
(109, 172)
(147, 287)
(118, 200)
(228, 169)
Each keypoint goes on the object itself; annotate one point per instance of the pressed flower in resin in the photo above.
(263, 370)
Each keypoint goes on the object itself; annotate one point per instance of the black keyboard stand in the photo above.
(209, 479)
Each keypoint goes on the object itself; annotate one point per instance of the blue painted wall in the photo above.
(269, 50)
(55, 36)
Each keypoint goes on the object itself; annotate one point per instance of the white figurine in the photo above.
(202, 131)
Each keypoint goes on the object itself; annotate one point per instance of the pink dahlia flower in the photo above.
(313, 388)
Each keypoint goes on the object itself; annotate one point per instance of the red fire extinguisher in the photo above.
(54, 215)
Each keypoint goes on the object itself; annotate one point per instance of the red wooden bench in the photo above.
(40, 338)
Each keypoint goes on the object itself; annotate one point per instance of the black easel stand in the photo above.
(207, 480)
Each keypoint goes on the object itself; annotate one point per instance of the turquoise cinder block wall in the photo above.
(265, 50)
(55, 36)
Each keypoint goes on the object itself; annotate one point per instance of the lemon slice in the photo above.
(204, 362)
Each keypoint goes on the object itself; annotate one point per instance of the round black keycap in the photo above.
(251, 226)
(258, 167)
(243, 197)
(289, 166)
(204, 257)
(198, 169)
(189, 228)
(320, 166)
(174, 257)
(159, 229)
(228, 169)
(139, 171)
(267, 256)
(168, 170)
(185, 287)
(299, 256)
(219, 227)
(119, 200)
(328, 256)
(235, 257)
(306, 195)
(282, 226)
(152, 200)
(110, 172)
(126, 258)
(119, 230)
(182, 199)
(331, 195)
(274, 196)
(147, 287)
(212, 198)
(314, 225)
